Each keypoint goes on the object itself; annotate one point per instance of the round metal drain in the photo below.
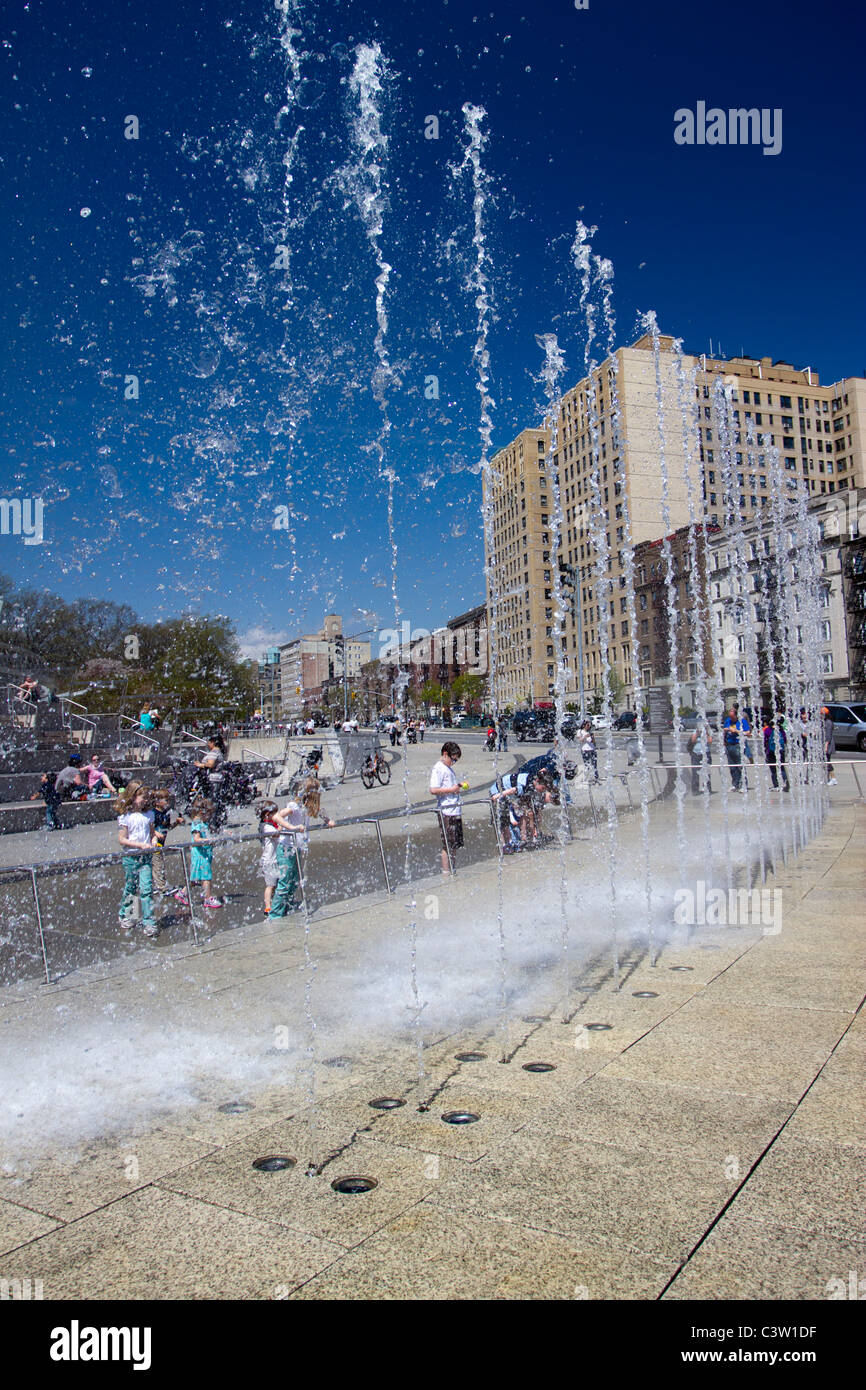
(353, 1186)
(236, 1107)
(470, 1056)
(460, 1117)
(644, 994)
(386, 1103)
(681, 967)
(536, 1018)
(274, 1163)
(538, 1066)
(598, 1027)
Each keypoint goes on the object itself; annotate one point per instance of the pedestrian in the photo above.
(829, 732)
(422, 729)
(446, 789)
(212, 777)
(202, 830)
(503, 734)
(145, 720)
(70, 783)
(586, 739)
(391, 731)
(774, 751)
(699, 746)
(311, 796)
(804, 741)
(135, 834)
(50, 795)
(732, 729)
(165, 818)
(292, 836)
(98, 780)
(268, 832)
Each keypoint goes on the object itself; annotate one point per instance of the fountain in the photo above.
(598, 907)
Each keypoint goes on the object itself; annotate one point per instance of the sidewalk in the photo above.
(709, 1143)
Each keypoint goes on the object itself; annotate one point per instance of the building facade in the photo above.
(310, 664)
(653, 441)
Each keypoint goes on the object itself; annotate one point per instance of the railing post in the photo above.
(186, 880)
(372, 821)
(39, 925)
(446, 841)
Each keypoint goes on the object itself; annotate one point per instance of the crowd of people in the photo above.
(145, 816)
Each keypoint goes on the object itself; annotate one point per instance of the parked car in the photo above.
(849, 725)
(598, 721)
(626, 720)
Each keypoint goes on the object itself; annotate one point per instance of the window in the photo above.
(826, 663)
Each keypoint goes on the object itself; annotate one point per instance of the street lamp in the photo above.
(342, 639)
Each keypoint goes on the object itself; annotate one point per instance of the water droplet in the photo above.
(85, 212)
(205, 364)
(87, 72)
(310, 94)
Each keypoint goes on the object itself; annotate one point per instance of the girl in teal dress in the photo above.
(201, 862)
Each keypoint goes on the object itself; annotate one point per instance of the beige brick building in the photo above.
(668, 413)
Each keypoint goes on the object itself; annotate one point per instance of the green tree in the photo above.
(469, 689)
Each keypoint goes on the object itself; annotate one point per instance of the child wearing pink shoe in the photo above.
(201, 860)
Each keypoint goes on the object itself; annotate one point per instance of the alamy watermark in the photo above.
(736, 126)
(736, 907)
(22, 516)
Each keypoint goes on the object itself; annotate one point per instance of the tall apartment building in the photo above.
(665, 444)
(307, 663)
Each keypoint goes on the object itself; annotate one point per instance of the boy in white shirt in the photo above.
(446, 789)
(135, 833)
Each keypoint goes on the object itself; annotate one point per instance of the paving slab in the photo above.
(655, 1204)
(161, 1245)
(743, 1259)
(434, 1254)
(667, 1119)
(66, 1184)
(306, 1201)
(19, 1225)
(808, 1187)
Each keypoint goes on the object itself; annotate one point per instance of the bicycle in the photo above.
(375, 766)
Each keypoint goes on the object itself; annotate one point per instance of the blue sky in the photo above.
(167, 502)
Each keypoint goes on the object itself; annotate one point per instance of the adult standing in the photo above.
(422, 729)
(774, 751)
(733, 728)
(211, 766)
(586, 739)
(699, 746)
(503, 734)
(446, 789)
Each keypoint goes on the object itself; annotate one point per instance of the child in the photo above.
(292, 838)
(311, 800)
(201, 862)
(135, 833)
(52, 798)
(268, 832)
(164, 819)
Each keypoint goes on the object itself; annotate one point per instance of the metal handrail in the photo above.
(60, 866)
(137, 730)
(67, 714)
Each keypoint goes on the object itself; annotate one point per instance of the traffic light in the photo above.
(568, 583)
